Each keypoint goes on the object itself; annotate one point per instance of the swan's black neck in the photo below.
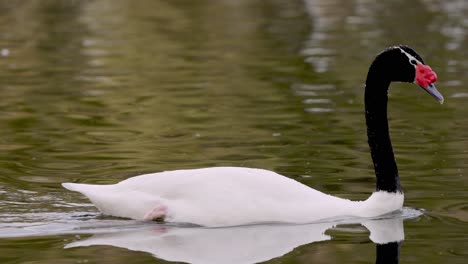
(377, 130)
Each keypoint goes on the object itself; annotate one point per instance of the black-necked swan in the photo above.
(228, 196)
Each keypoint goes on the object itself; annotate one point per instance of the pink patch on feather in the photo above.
(158, 213)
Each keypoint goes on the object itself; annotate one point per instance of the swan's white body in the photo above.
(227, 196)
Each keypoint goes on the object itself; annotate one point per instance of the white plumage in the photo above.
(227, 196)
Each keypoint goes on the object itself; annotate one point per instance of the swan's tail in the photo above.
(94, 192)
(100, 195)
(72, 186)
(115, 201)
(81, 187)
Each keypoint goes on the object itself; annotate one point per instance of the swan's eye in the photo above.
(413, 62)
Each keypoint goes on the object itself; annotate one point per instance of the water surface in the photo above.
(98, 91)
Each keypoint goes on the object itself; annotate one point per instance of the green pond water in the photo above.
(99, 91)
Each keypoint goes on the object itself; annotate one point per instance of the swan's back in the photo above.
(219, 182)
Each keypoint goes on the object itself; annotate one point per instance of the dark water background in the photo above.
(98, 91)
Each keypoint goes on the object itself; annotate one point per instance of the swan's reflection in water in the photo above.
(245, 244)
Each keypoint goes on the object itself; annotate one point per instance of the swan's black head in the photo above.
(403, 64)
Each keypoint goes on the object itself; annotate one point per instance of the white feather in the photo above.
(227, 196)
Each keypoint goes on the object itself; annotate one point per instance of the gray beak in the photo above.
(432, 90)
